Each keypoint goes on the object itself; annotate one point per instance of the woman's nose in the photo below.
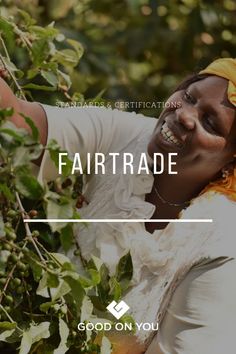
(187, 118)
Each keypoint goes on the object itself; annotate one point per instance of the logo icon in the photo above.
(118, 309)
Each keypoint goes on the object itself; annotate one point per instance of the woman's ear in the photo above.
(228, 169)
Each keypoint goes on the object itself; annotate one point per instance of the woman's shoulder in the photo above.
(221, 212)
(213, 205)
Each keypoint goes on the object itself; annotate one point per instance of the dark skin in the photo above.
(205, 125)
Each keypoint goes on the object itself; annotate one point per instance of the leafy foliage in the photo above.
(43, 296)
(138, 50)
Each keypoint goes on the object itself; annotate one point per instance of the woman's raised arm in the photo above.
(30, 109)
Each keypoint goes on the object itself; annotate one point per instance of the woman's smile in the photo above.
(170, 136)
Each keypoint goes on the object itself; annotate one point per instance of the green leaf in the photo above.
(61, 290)
(86, 309)
(39, 50)
(45, 283)
(7, 325)
(4, 335)
(52, 281)
(15, 137)
(85, 282)
(64, 334)
(98, 302)
(28, 20)
(15, 335)
(34, 129)
(78, 97)
(50, 66)
(50, 77)
(8, 331)
(36, 268)
(4, 255)
(77, 291)
(95, 263)
(115, 289)
(124, 271)
(67, 57)
(7, 30)
(28, 185)
(42, 289)
(31, 73)
(46, 306)
(67, 237)
(7, 112)
(64, 79)
(61, 258)
(56, 211)
(45, 33)
(12, 134)
(39, 87)
(33, 335)
(77, 47)
(105, 277)
(6, 191)
(2, 231)
(68, 266)
(10, 66)
(54, 150)
(23, 155)
(95, 276)
(20, 157)
(103, 287)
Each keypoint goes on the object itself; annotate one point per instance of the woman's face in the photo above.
(201, 130)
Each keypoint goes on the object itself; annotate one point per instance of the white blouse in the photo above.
(184, 275)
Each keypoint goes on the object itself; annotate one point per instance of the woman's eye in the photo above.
(210, 125)
(189, 98)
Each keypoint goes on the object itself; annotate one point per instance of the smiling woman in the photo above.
(183, 273)
(204, 124)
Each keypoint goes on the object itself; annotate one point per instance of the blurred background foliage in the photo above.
(137, 50)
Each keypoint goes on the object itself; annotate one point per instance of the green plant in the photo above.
(139, 50)
(42, 295)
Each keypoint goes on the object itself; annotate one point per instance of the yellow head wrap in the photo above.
(226, 68)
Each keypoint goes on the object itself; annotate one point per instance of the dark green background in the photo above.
(138, 50)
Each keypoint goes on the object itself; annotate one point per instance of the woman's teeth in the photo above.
(169, 136)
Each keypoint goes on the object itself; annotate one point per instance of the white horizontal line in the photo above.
(116, 220)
